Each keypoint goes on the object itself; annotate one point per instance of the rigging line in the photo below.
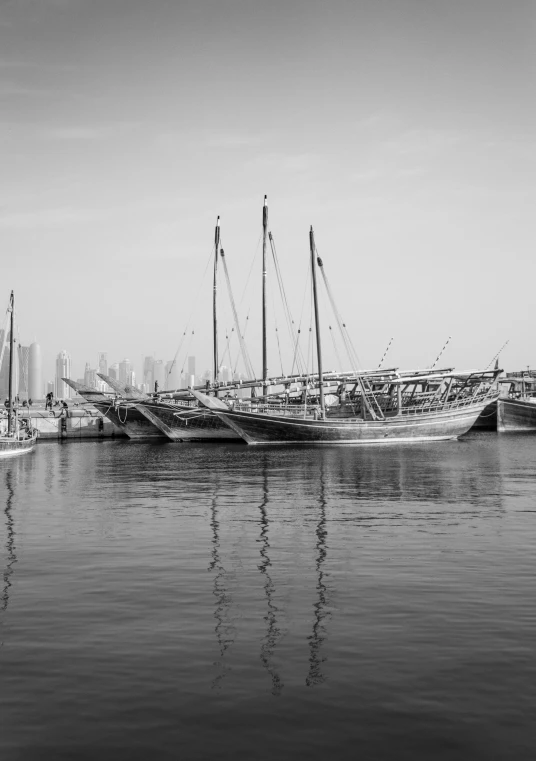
(286, 308)
(367, 392)
(350, 350)
(385, 353)
(243, 348)
(187, 350)
(340, 324)
(496, 357)
(332, 334)
(436, 360)
(194, 308)
(276, 328)
(251, 269)
(296, 360)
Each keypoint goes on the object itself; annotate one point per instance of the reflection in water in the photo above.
(321, 610)
(10, 541)
(225, 631)
(273, 634)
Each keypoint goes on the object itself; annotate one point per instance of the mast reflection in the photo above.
(322, 613)
(225, 631)
(10, 541)
(273, 634)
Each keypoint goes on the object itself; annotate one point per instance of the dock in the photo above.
(86, 423)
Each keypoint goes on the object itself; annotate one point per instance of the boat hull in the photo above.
(14, 447)
(259, 428)
(487, 420)
(516, 416)
(130, 421)
(187, 424)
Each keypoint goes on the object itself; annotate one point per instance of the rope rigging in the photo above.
(243, 348)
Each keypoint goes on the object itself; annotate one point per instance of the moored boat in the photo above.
(122, 412)
(407, 409)
(516, 407)
(16, 433)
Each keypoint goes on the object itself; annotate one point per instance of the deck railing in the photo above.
(418, 405)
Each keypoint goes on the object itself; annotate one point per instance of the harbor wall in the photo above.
(76, 424)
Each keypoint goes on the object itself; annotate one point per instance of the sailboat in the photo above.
(16, 434)
(183, 418)
(120, 411)
(409, 408)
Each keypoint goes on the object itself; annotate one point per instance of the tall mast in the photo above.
(317, 325)
(214, 312)
(264, 349)
(11, 348)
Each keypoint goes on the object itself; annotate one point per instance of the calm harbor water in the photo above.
(230, 602)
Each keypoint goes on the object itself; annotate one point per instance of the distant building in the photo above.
(35, 378)
(131, 378)
(191, 368)
(159, 375)
(124, 369)
(113, 371)
(148, 372)
(102, 362)
(24, 381)
(90, 377)
(225, 374)
(63, 370)
(173, 377)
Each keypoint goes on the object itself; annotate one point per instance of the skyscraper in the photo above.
(191, 371)
(63, 370)
(113, 371)
(172, 375)
(35, 384)
(159, 375)
(124, 369)
(148, 372)
(102, 362)
(90, 377)
(24, 380)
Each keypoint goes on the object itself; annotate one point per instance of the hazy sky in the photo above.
(403, 130)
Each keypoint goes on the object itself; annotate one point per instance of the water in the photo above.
(230, 602)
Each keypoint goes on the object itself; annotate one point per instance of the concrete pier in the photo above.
(85, 423)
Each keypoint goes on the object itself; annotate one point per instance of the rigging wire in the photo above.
(296, 359)
(385, 353)
(496, 357)
(242, 344)
(286, 308)
(194, 308)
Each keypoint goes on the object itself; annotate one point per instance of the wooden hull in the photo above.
(259, 428)
(12, 447)
(516, 416)
(487, 420)
(130, 421)
(192, 424)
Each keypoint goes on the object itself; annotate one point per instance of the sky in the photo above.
(402, 130)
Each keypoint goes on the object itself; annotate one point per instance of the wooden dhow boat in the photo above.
(179, 416)
(516, 407)
(16, 433)
(120, 410)
(407, 409)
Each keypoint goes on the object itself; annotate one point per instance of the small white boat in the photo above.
(16, 433)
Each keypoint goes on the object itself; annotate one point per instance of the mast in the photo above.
(11, 347)
(214, 312)
(317, 325)
(264, 348)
